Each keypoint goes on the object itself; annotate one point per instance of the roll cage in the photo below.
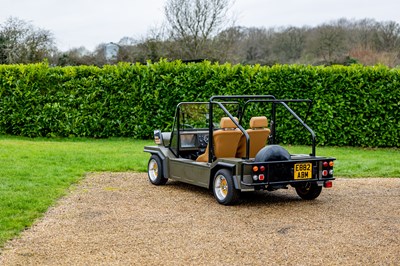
(242, 102)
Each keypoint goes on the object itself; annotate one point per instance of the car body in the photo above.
(236, 159)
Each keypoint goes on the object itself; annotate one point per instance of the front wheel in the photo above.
(308, 191)
(224, 189)
(155, 171)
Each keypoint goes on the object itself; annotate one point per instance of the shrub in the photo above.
(353, 105)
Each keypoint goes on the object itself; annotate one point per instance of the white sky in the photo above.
(88, 23)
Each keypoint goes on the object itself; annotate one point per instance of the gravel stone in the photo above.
(121, 219)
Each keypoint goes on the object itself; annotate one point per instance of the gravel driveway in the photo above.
(120, 219)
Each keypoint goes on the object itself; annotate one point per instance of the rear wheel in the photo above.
(224, 189)
(308, 191)
(155, 171)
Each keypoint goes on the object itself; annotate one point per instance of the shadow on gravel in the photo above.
(255, 198)
(266, 197)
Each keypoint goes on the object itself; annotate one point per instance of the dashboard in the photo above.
(193, 140)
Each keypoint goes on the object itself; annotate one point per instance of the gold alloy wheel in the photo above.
(221, 187)
(153, 169)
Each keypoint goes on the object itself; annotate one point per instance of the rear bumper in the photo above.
(286, 182)
(283, 173)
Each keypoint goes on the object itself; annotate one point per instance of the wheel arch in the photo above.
(164, 161)
(222, 165)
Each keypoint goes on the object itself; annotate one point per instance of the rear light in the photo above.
(258, 172)
(325, 173)
(326, 164)
(328, 184)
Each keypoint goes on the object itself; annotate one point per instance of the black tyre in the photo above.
(308, 191)
(155, 171)
(224, 189)
(272, 153)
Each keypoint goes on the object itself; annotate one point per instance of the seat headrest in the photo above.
(226, 122)
(258, 122)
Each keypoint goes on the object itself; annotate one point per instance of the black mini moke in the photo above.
(241, 155)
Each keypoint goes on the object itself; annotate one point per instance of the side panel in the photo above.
(188, 171)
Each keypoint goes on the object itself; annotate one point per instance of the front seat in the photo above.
(225, 141)
(258, 134)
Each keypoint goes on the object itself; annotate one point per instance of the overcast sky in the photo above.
(88, 23)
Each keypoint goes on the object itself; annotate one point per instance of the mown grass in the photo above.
(34, 173)
(359, 162)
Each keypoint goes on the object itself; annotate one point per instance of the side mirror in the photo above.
(158, 139)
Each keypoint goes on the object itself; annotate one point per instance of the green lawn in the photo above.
(34, 173)
(359, 162)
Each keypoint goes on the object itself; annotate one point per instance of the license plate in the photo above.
(302, 171)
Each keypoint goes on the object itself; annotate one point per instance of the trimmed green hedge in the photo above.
(355, 106)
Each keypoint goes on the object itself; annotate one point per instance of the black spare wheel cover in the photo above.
(272, 153)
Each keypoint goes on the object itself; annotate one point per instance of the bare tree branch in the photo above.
(194, 23)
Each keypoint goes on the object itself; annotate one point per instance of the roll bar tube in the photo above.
(211, 130)
(304, 125)
(256, 98)
(211, 126)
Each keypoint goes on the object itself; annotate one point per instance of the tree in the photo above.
(289, 44)
(193, 23)
(154, 46)
(3, 46)
(362, 34)
(230, 39)
(76, 57)
(327, 42)
(388, 36)
(256, 48)
(21, 42)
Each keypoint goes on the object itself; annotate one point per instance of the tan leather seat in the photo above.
(225, 141)
(258, 134)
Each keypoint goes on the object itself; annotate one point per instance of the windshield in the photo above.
(192, 116)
